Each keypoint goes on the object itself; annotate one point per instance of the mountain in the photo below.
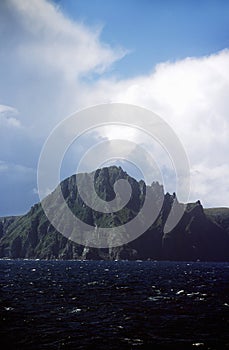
(201, 233)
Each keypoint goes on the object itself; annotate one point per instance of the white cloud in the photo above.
(8, 109)
(192, 96)
(16, 170)
(211, 184)
(7, 117)
(49, 39)
(10, 122)
(43, 57)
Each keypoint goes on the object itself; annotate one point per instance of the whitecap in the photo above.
(75, 310)
(92, 283)
(180, 292)
(8, 308)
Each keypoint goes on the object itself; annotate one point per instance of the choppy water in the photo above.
(114, 305)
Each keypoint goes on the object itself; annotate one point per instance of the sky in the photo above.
(58, 57)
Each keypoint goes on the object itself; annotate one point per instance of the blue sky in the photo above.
(155, 31)
(58, 57)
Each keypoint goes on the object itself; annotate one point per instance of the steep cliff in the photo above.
(200, 234)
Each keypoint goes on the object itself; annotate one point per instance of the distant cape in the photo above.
(201, 234)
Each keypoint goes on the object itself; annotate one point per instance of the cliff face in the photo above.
(5, 222)
(200, 234)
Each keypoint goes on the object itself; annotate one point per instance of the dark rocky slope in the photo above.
(201, 233)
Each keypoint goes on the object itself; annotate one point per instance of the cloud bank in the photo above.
(51, 66)
(192, 96)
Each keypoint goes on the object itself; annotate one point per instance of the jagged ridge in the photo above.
(200, 234)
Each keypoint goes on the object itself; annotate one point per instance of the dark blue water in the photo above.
(114, 305)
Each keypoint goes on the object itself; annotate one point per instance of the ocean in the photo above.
(114, 305)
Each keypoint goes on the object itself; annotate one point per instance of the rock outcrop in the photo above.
(201, 233)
